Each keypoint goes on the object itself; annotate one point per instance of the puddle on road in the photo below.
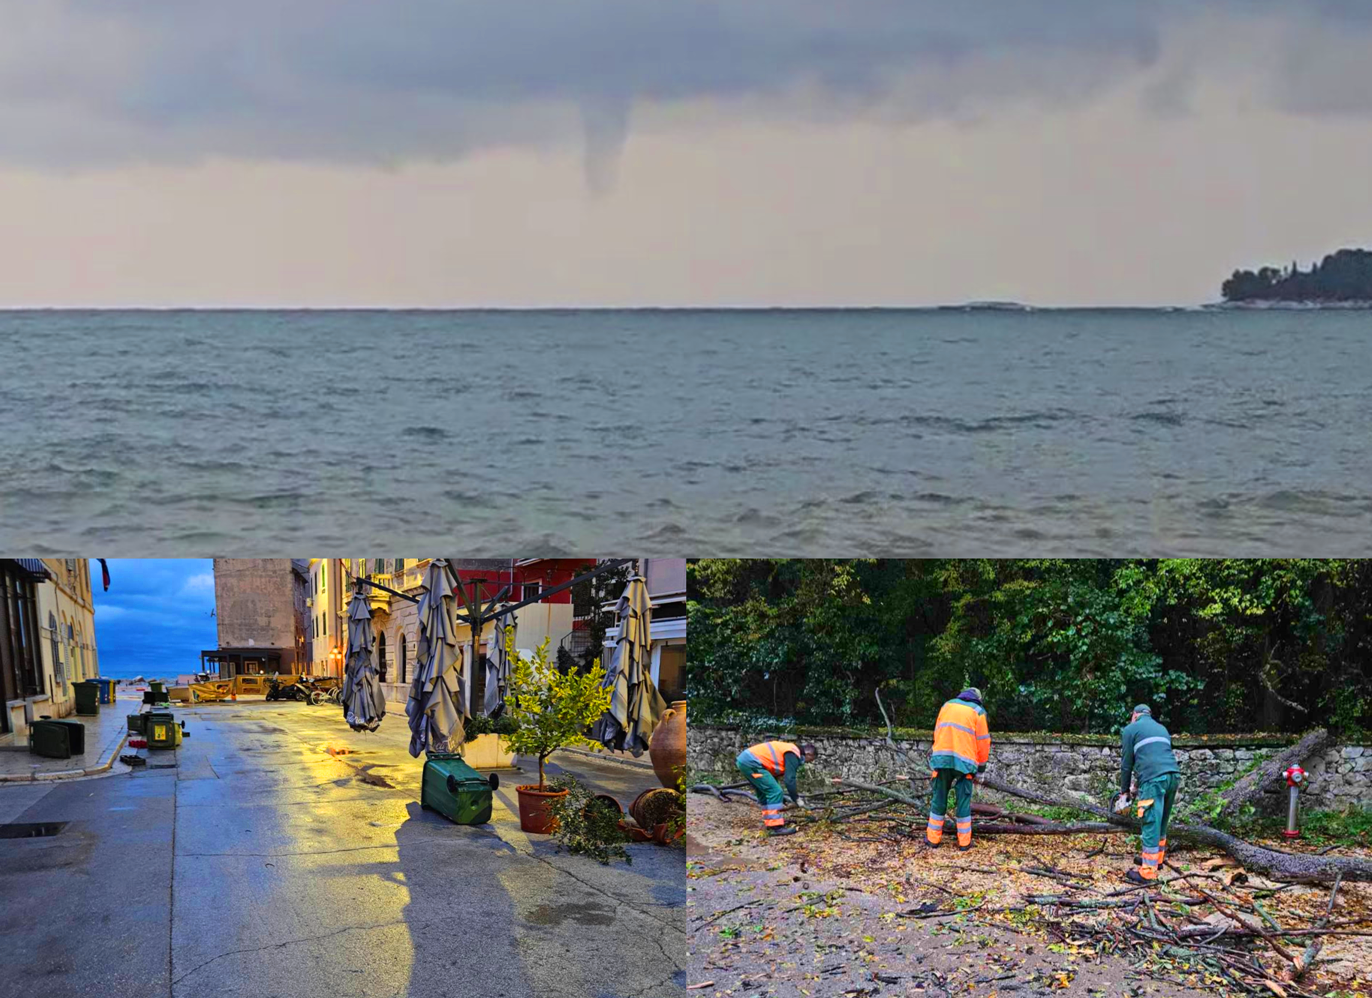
(581, 914)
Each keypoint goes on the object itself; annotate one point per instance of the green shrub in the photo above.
(586, 826)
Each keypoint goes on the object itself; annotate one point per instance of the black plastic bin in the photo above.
(87, 696)
(53, 739)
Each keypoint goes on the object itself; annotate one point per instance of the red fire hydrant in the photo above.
(1295, 779)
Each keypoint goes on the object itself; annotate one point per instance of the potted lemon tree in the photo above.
(551, 710)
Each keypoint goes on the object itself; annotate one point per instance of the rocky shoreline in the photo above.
(1281, 305)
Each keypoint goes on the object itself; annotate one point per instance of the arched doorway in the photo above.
(381, 655)
(400, 656)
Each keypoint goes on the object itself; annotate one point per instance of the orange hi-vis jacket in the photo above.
(772, 755)
(962, 740)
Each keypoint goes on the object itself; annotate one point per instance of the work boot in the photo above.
(966, 848)
(783, 830)
(1135, 877)
(929, 845)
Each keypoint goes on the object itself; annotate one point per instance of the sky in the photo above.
(156, 618)
(433, 153)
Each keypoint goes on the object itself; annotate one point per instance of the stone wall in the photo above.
(1053, 764)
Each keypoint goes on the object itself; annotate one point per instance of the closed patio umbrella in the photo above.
(364, 705)
(635, 704)
(437, 706)
(498, 663)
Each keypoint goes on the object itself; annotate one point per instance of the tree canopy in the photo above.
(1342, 276)
(1214, 645)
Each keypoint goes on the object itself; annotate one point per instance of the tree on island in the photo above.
(1342, 276)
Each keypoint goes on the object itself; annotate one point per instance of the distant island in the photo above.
(1343, 278)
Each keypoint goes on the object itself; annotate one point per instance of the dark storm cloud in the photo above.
(89, 82)
(156, 617)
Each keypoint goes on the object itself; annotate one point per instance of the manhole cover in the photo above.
(31, 829)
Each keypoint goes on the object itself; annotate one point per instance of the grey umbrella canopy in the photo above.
(498, 663)
(364, 705)
(437, 706)
(635, 704)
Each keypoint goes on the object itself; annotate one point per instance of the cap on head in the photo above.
(1143, 710)
(809, 752)
(971, 693)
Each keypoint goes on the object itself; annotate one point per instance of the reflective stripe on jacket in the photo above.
(1145, 752)
(962, 740)
(772, 755)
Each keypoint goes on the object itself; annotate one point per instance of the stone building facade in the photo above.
(261, 603)
(1061, 765)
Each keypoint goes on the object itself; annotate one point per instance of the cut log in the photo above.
(1067, 828)
(1302, 867)
(1257, 782)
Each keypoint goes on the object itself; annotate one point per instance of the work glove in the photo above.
(1120, 803)
(800, 803)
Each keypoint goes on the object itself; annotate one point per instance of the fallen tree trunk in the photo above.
(1257, 782)
(1067, 828)
(1302, 867)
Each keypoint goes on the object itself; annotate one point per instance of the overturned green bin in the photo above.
(456, 790)
(161, 729)
(56, 739)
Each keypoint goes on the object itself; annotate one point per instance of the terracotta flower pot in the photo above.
(663, 837)
(635, 833)
(534, 813)
(667, 747)
(651, 806)
(610, 801)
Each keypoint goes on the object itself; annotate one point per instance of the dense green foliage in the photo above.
(1215, 645)
(1342, 276)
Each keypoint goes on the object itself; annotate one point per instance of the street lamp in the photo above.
(335, 661)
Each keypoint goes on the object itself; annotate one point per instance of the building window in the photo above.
(532, 589)
(381, 656)
(59, 674)
(21, 667)
(400, 655)
(671, 672)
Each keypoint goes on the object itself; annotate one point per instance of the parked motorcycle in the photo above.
(277, 690)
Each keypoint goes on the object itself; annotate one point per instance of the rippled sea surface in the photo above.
(687, 433)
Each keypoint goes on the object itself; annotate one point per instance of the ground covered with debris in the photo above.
(860, 908)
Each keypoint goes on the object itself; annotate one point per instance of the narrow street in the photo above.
(260, 864)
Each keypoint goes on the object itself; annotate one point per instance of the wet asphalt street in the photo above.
(262, 865)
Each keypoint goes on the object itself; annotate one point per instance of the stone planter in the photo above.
(487, 752)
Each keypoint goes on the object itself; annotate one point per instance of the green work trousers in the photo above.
(765, 785)
(1154, 804)
(961, 786)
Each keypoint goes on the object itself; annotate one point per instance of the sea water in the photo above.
(686, 432)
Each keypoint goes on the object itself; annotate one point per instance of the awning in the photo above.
(37, 571)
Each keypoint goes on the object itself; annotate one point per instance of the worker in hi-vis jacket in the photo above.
(766, 766)
(1146, 753)
(962, 747)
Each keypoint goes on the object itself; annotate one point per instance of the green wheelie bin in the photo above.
(456, 790)
(87, 696)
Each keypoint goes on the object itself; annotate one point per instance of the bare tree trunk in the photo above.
(1269, 862)
(1069, 828)
(1255, 783)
